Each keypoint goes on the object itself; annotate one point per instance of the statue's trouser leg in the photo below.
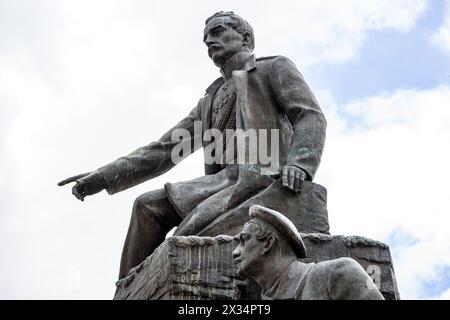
(152, 218)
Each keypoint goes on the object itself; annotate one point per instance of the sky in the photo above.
(84, 82)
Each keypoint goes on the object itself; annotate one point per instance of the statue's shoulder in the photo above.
(343, 270)
(278, 62)
(348, 281)
(323, 267)
(260, 59)
(272, 58)
(341, 266)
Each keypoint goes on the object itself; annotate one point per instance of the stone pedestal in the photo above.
(202, 268)
(372, 255)
(185, 268)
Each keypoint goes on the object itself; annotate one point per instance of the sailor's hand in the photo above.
(292, 178)
(86, 184)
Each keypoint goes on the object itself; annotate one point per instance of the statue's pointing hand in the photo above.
(292, 178)
(86, 184)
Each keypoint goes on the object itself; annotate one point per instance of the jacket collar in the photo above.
(249, 65)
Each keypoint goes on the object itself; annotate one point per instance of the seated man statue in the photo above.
(262, 98)
(268, 252)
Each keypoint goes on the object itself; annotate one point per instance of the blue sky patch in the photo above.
(433, 289)
(389, 61)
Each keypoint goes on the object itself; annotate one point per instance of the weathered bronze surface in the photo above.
(252, 94)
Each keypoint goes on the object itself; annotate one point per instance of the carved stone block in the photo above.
(202, 268)
(185, 268)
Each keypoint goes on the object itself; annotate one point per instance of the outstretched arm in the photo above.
(86, 184)
(149, 161)
(143, 164)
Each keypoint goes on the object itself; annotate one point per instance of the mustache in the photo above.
(213, 47)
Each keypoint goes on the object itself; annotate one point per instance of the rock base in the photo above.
(185, 268)
(200, 268)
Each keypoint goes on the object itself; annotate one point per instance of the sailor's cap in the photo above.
(281, 223)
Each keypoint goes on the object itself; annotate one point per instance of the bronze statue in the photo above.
(268, 252)
(252, 94)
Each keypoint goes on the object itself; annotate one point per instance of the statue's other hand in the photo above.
(86, 184)
(292, 178)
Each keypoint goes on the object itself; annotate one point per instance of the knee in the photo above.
(138, 202)
(154, 206)
(149, 206)
(142, 208)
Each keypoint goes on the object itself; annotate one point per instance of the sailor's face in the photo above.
(222, 41)
(249, 253)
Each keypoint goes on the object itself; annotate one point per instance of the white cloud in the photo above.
(330, 31)
(85, 82)
(387, 173)
(442, 36)
(445, 295)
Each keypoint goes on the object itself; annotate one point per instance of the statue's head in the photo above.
(269, 234)
(226, 34)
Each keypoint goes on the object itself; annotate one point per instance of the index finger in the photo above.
(71, 179)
